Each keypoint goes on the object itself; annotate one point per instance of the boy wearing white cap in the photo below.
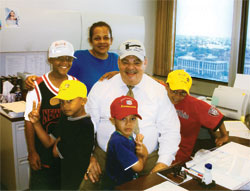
(73, 137)
(193, 113)
(45, 170)
(125, 156)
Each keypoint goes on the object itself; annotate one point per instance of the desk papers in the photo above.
(237, 129)
(231, 165)
(166, 186)
(14, 109)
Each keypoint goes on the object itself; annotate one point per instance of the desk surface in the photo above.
(153, 179)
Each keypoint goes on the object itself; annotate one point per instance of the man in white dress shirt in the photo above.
(159, 125)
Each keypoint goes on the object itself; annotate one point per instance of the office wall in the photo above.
(146, 8)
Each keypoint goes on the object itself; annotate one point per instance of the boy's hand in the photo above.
(139, 138)
(34, 115)
(29, 82)
(55, 153)
(140, 148)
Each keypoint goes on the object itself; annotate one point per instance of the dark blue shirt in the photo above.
(120, 158)
(88, 69)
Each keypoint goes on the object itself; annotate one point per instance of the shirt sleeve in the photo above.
(168, 125)
(126, 156)
(209, 116)
(74, 70)
(92, 105)
(31, 96)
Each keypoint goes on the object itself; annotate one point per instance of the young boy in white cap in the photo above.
(73, 137)
(193, 113)
(125, 156)
(45, 169)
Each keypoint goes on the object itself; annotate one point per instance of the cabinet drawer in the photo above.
(23, 174)
(21, 141)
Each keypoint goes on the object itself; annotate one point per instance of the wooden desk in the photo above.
(153, 179)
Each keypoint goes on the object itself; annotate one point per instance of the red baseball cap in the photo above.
(124, 106)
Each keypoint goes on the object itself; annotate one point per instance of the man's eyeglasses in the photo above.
(180, 93)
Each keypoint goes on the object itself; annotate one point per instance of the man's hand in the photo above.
(93, 171)
(34, 160)
(159, 166)
(34, 115)
(29, 82)
(108, 75)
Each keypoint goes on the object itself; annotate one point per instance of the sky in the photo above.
(205, 17)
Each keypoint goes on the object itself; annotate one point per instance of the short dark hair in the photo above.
(98, 24)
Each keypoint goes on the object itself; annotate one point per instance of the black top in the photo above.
(77, 140)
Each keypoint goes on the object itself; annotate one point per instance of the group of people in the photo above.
(85, 134)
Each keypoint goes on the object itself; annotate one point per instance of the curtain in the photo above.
(164, 40)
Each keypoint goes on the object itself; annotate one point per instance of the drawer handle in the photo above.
(20, 128)
(24, 161)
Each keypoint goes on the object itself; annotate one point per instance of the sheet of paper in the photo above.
(14, 64)
(237, 129)
(242, 81)
(230, 163)
(166, 186)
(36, 64)
(16, 107)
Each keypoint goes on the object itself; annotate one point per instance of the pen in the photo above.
(194, 172)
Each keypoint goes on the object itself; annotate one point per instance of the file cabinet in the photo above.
(14, 156)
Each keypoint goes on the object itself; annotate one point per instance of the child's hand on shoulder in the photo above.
(34, 115)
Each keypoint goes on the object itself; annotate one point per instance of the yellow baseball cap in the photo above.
(68, 90)
(179, 80)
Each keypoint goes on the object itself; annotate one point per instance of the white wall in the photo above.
(146, 8)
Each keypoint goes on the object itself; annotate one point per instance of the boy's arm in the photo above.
(141, 153)
(224, 136)
(142, 158)
(34, 117)
(43, 136)
(33, 156)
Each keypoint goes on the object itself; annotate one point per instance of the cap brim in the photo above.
(178, 87)
(132, 54)
(54, 101)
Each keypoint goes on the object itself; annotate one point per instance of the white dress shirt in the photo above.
(160, 124)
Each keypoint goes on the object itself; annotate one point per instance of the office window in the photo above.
(246, 69)
(203, 38)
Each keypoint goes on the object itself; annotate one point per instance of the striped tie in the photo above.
(131, 94)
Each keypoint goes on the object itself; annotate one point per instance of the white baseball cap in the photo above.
(132, 47)
(61, 48)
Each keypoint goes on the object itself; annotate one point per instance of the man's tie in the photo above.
(131, 94)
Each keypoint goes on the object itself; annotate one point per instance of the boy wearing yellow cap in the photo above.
(73, 137)
(193, 114)
(125, 156)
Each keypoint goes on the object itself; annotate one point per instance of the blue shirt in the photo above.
(120, 158)
(88, 69)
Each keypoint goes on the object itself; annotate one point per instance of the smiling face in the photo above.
(175, 96)
(131, 69)
(126, 125)
(61, 65)
(100, 41)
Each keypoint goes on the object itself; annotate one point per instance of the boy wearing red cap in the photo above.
(125, 156)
